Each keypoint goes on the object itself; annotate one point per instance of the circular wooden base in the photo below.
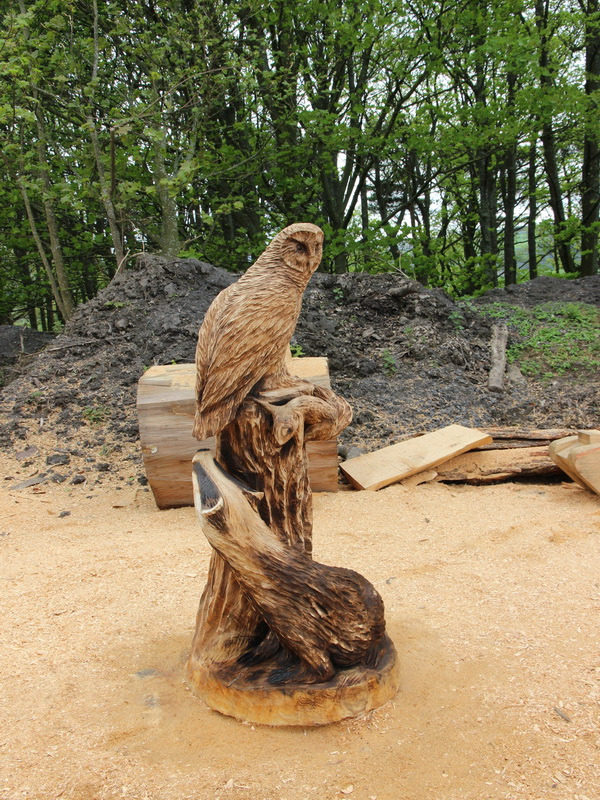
(249, 697)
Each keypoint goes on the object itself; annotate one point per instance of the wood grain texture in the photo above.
(166, 407)
(274, 627)
(350, 692)
(495, 465)
(325, 617)
(244, 338)
(498, 357)
(579, 457)
(509, 438)
(272, 622)
(247, 450)
(391, 464)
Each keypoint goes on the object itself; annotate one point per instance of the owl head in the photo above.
(300, 247)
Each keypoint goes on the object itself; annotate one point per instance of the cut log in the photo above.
(497, 465)
(507, 438)
(391, 464)
(548, 434)
(166, 407)
(579, 457)
(498, 357)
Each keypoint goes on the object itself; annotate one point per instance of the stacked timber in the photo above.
(398, 461)
(465, 455)
(512, 453)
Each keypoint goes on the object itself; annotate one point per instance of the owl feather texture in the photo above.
(243, 343)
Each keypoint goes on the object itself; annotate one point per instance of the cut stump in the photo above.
(166, 407)
(351, 692)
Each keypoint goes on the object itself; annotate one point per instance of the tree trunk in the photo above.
(468, 224)
(561, 238)
(21, 258)
(549, 146)
(169, 230)
(486, 173)
(56, 293)
(67, 303)
(532, 215)
(510, 195)
(590, 172)
(105, 195)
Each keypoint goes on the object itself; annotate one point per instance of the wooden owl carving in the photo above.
(244, 339)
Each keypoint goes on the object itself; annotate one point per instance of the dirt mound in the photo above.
(17, 345)
(546, 289)
(407, 359)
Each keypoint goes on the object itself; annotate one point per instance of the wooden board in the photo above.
(391, 464)
(579, 457)
(558, 453)
(166, 405)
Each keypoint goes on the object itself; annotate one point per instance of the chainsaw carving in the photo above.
(280, 638)
(245, 337)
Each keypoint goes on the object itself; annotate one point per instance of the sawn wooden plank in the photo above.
(390, 464)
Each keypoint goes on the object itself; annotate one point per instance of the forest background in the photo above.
(451, 140)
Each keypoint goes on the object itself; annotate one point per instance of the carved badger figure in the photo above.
(326, 617)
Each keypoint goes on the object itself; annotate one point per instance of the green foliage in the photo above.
(35, 398)
(390, 367)
(201, 130)
(457, 319)
(552, 338)
(96, 415)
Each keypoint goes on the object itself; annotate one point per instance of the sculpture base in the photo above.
(248, 695)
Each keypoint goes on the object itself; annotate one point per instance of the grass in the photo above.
(389, 363)
(551, 339)
(96, 415)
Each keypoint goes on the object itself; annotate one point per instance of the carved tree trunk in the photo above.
(227, 623)
(280, 639)
(269, 614)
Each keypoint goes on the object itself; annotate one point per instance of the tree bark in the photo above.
(532, 215)
(590, 171)
(498, 358)
(56, 293)
(68, 304)
(104, 184)
(497, 465)
(510, 195)
(169, 230)
(548, 138)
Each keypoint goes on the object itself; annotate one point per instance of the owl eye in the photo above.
(300, 248)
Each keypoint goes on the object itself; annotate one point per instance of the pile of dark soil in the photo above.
(18, 345)
(407, 358)
(545, 290)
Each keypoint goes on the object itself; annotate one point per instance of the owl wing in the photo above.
(244, 337)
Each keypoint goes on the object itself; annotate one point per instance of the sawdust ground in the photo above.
(493, 601)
